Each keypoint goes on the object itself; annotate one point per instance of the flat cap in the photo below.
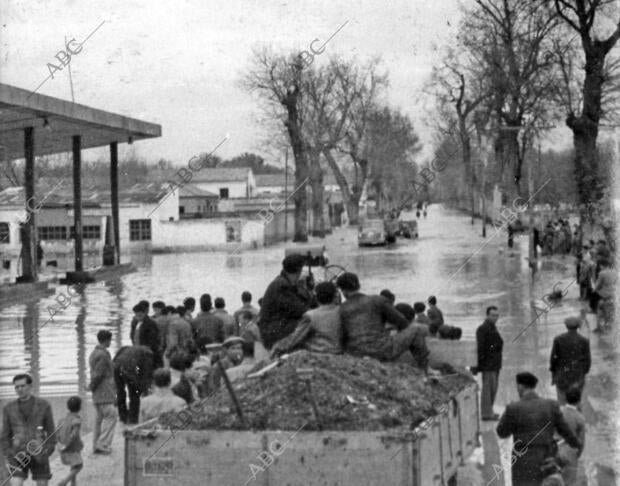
(526, 378)
(232, 340)
(572, 322)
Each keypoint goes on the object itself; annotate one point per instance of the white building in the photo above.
(226, 182)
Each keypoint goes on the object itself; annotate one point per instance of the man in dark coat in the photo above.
(570, 359)
(490, 345)
(364, 318)
(285, 302)
(133, 371)
(24, 447)
(207, 328)
(532, 421)
(146, 333)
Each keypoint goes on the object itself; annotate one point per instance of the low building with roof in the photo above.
(197, 203)
(226, 182)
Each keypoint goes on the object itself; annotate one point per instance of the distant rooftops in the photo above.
(222, 174)
(61, 195)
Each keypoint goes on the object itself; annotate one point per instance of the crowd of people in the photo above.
(179, 355)
(557, 238)
(554, 430)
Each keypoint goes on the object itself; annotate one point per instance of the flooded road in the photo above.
(450, 260)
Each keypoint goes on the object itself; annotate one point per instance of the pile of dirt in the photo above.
(349, 393)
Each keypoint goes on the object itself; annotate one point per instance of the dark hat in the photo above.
(293, 263)
(527, 379)
(572, 322)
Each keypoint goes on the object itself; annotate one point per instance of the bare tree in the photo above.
(279, 80)
(511, 38)
(585, 96)
(460, 89)
(355, 93)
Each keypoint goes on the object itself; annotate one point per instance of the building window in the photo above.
(181, 209)
(139, 229)
(52, 232)
(5, 233)
(224, 193)
(89, 232)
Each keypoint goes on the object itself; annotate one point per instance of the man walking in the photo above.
(104, 393)
(532, 421)
(435, 316)
(490, 345)
(28, 434)
(570, 359)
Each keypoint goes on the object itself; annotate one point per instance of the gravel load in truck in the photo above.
(325, 392)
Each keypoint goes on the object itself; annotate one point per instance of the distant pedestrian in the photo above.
(162, 399)
(207, 328)
(511, 235)
(570, 359)
(569, 456)
(133, 372)
(231, 328)
(103, 391)
(246, 301)
(249, 332)
(28, 436)
(69, 441)
(490, 345)
(531, 422)
(605, 290)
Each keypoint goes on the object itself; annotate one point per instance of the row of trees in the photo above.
(519, 68)
(334, 118)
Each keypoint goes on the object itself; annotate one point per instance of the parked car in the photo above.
(408, 229)
(372, 232)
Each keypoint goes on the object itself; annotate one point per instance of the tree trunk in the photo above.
(351, 198)
(301, 166)
(318, 196)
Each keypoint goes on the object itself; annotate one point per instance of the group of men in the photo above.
(532, 421)
(292, 316)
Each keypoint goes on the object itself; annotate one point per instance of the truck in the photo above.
(430, 454)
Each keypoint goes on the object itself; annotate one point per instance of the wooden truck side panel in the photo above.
(427, 456)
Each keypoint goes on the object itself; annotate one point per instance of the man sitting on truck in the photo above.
(364, 318)
(319, 330)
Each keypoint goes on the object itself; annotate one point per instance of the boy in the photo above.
(69, 441)
(569, 456)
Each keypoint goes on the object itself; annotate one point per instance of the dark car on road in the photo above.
(408, 229)
(372, 232)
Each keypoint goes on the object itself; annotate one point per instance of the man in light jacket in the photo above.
(103, 389)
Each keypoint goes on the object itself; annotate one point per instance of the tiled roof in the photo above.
(221, 174)
(192, 191)
(61, 195)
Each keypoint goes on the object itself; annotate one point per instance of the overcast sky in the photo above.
(176, 63)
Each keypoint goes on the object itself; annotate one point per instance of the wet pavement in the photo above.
(450, 260)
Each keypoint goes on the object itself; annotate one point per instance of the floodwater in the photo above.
(450, 259)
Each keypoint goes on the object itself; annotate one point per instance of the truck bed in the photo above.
(426, 456)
